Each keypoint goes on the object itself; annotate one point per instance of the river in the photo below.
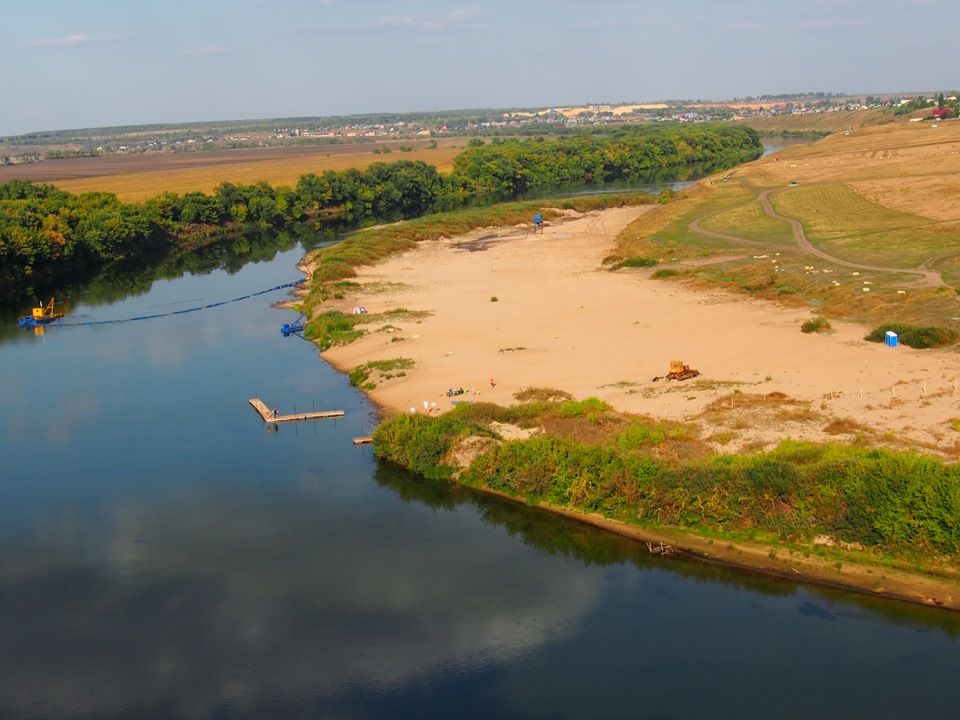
(165, 554)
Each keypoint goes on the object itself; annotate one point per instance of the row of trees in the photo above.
(46, 234)
(627, 153)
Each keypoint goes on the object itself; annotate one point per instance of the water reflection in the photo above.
(555, 535)
(239, 598)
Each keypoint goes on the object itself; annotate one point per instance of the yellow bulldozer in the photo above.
(679, 370)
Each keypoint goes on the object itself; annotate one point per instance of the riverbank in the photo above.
(789, 564)
(497, 311)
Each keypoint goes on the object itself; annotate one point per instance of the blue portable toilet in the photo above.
(890, 338)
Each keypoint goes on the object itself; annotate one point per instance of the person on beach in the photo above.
(492, 383)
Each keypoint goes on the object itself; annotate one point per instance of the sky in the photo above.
(71, 64)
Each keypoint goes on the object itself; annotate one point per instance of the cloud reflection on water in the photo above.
(230, 599)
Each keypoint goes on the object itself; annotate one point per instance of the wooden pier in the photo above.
(268, 416)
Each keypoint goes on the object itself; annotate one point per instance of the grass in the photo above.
(752, 223)
(883, 196)
(816, 325)
(639, 262)
(846, 225)
(381, 369)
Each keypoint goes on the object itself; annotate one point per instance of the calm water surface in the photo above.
(163, 556)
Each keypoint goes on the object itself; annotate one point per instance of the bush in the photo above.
(916, 336)
(582, 408)
(664, 273)
(332, 328)
(895, 502)
(640, 262)
(816, 324)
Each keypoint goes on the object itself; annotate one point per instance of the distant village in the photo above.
(36, 147)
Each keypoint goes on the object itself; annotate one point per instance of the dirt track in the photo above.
(928, 277)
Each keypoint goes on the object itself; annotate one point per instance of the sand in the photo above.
(511, 309)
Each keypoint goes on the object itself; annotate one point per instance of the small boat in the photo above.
(40, 316)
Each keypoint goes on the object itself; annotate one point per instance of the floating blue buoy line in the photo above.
(57, 323)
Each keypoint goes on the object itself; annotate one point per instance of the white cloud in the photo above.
(457, 18)
(76, 40)
(394, 21)
(202, 52)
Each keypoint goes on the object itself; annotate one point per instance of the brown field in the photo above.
(818, 122)
(135, 178)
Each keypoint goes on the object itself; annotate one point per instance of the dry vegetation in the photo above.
(138, 178)
(818, 122)
(883, 197)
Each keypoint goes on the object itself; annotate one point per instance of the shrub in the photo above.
(916, 336)
(640, 262)
(582, 408)
(334, 270)
(638, 435)
(664, 273)
(360, 374)
(332, 328)
(816, 324)
(541, 395)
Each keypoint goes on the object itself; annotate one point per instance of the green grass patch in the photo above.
(333, 328)
(583, 408)
(385, 369)
(846, 225)
(751, 222)
(543, 395)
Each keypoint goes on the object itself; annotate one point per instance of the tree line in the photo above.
(48, 236)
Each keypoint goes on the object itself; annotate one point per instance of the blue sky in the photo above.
(92, 63)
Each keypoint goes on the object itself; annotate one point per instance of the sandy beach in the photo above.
(507, 309)
(510, 309)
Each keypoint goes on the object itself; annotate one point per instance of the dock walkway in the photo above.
(268, 416)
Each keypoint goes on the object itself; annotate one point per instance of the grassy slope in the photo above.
(878, 195)
(818, 122)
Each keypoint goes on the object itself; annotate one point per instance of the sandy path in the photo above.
(561, 321)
